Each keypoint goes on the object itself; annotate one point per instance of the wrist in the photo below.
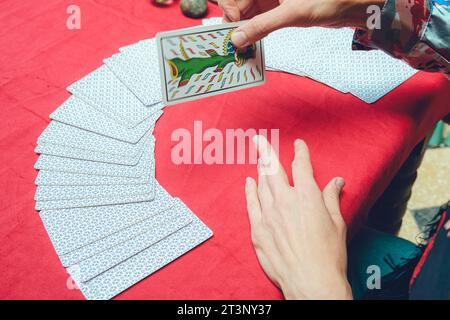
(354, 12)
(336, 289)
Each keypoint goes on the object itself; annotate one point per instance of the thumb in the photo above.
(330, 195)
(260, 26)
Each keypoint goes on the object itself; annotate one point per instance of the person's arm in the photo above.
(298, 231)
(416, 31)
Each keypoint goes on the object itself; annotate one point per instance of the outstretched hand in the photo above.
(298, 232)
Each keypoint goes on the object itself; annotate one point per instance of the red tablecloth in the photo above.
(40, 57)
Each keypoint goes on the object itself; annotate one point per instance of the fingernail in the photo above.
(248, 182)
(340, 183)
(239, 39)
(297, 142)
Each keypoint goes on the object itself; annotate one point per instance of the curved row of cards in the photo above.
(109, 220)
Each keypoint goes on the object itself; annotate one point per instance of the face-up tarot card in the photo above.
(201, 61)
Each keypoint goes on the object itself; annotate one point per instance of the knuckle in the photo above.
(222, 4)
(331, 197)
(301, 194)
(226, 6)
(277, 199)
(256, 235)
(251, 206)
(259, 27)
(283, 203)
(297, 166)
(255, 239)
(306, 194)
(284, 198)
(248, 193)
(340, 224)
(270, 223)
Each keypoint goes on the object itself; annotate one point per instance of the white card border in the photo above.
(200, 29)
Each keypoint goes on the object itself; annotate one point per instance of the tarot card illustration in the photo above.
(201, 61)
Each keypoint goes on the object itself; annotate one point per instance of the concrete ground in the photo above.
(431, 189)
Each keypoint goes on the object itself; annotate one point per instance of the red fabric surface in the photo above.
(40, 57)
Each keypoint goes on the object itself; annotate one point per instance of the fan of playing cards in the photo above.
(109, 220)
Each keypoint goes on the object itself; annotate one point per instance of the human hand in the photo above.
(269, 15)
(298, 232)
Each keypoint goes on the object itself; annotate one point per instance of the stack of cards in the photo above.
(326, 55)
(109, 220)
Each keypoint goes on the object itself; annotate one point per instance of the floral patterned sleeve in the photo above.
(417, 31)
